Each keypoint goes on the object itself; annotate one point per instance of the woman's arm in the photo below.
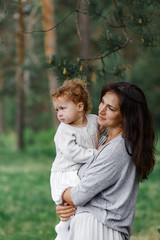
(67, 196)
(102, 173)
(93, 182)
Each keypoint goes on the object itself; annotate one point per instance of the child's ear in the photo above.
(81, 106)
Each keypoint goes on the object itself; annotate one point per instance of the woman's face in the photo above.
(109, 111)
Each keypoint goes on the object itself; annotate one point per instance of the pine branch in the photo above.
(47, 30)
(127, 40)
(106, 54)
(121, 20)
(77, 24)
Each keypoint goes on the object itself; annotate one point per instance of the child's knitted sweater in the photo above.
(75, 146)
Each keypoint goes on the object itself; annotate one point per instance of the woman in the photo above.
(107, 193)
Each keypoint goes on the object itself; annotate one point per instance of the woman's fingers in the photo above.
(63, 219)
(64, 211)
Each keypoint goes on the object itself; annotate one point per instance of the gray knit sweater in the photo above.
(109, 186)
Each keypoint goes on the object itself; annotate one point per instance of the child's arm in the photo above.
(71, 150)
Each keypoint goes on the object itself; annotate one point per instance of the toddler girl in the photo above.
(76, 140)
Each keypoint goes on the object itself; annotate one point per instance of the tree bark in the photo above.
(50, 40)
(85, 38)
(20, 109)
(1, 106)
(19, 77)
(84, 30)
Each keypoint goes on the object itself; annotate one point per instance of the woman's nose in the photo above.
(102, 109)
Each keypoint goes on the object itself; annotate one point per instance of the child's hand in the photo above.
(65, 211)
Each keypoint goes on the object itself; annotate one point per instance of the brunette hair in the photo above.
(76, 91)
(137, 124)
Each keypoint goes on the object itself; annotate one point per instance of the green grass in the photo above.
(27, 211)
(26, 208)
(147, 218)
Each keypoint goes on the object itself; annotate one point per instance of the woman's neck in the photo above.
(113, 133)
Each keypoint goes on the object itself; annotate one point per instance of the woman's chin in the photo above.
(101, 123)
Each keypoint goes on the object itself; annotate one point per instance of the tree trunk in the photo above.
(85, 41)
(1, 109)
(19, 77)
(50, 40)
(84, 30)
(20, 108)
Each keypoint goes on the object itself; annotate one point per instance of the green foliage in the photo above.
(36, 85)
(120, 25)
(7, 141)
(66, 32)
(146, 74)
(111, 41)
(68, 69)
(40, 142)
(120, 34)
(9, 103)
(93, 8)
(36, 143)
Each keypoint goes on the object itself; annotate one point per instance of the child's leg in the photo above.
(62, 229)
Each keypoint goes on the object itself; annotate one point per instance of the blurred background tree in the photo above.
(43, 43)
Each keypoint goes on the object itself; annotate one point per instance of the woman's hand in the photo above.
(65, 211)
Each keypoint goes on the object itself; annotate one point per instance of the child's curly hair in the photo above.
(76, 91)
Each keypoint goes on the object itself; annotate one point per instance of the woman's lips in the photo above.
(101, 118)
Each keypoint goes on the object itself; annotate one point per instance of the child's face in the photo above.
(67, 111)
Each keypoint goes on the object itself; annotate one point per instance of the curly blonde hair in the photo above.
(76, 91)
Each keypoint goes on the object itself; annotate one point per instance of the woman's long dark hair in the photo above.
(137, 124)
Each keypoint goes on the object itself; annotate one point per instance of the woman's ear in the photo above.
(80, 106)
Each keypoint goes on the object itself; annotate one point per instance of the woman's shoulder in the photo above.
(116, 147)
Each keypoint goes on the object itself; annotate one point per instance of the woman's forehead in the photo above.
(111, 98)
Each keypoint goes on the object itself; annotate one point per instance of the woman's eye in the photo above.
(111, 109)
